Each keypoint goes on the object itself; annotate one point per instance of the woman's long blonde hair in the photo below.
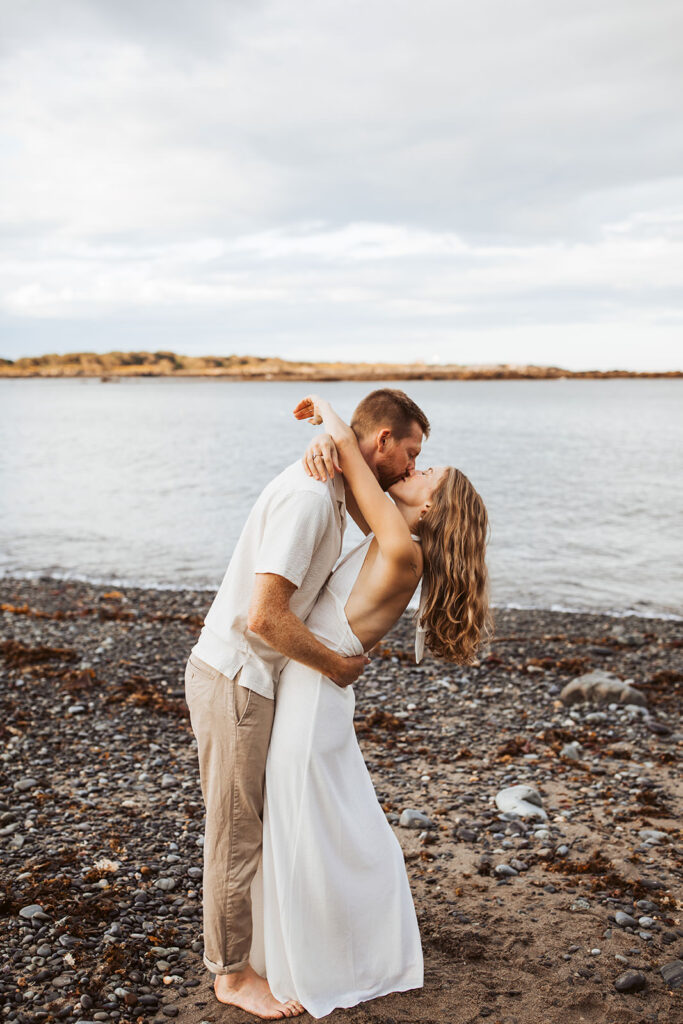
(455, 608)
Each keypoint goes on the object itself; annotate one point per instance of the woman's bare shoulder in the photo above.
(403, 564)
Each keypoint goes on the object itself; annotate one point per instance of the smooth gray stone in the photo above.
(23, 784)
(653, 835)
(466, 835)
(601, 687)
(625, 920)
(168, 780)
(34, 910)
(672, 973)
(630, 981)
(62, 981)
(165, 884)
(657, 727)
(523, 800)
(415, 819)
(505, 871)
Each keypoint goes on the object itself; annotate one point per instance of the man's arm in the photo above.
(271, 618)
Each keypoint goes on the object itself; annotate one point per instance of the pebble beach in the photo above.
(567, 909)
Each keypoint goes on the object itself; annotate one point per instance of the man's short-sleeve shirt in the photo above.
(294, 530)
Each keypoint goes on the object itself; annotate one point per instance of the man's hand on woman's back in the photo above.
(350, 669)
(271, 618)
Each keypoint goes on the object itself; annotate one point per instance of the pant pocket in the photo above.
(242, 702)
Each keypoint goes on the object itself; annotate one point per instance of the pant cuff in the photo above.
(222, 969)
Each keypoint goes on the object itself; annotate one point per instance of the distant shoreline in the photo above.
(114, 366)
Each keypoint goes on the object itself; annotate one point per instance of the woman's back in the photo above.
(362, 600)
(381, 593)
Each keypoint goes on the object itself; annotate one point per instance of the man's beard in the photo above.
(387, 476)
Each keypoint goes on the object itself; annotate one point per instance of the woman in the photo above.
(338, 924)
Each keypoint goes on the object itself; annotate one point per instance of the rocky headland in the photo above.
(115, 365)
(552, 904)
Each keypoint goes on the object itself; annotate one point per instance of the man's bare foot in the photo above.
(251, 992)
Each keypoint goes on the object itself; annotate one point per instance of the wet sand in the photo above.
(101, 814)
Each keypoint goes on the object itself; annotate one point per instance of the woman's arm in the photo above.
(321, 460)
(376, 507)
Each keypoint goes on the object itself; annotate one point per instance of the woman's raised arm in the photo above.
(376, 507)
(321, 460)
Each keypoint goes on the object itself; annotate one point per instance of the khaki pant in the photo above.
(232, 726)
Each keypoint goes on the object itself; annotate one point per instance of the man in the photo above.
(286, 551)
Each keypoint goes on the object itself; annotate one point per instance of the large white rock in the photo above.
(522, 800)
(415, 819)
(602, 688)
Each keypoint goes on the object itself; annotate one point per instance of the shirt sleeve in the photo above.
(293, 530)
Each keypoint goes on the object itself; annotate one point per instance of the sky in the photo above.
(498, 181)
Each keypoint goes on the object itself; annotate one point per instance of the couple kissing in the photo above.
(306, 899)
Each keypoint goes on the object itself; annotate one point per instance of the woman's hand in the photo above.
(308, 409)
(321, 458)
(318, 410)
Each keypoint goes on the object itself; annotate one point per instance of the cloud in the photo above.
(270, 166)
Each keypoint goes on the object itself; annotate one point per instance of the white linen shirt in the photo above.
(294, 530)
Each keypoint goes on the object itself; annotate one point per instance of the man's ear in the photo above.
(383, 438)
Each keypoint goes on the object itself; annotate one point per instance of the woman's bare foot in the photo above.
(251, 992)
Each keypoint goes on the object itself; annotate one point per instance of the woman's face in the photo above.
(416, 490)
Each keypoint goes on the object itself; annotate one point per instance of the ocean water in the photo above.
(148, 481)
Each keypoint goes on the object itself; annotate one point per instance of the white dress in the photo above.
(334, 922)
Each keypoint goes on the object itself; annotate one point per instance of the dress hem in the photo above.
(345, 1003)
